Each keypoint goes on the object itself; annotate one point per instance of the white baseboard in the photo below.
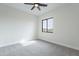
(8, 44)
(61, 44)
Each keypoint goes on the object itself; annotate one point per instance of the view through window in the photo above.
(47, 25)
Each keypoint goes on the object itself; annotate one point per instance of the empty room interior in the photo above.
(39, 29)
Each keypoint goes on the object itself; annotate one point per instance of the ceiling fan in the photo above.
(37, 5)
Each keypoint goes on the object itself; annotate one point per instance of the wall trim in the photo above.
(8, 44)
(64, 45)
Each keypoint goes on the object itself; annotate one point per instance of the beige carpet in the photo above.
(37, 48)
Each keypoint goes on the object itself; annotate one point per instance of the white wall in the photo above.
(66, 26)
(16, 25)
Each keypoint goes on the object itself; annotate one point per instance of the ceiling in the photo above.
(26, 8)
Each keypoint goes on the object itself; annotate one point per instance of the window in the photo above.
(47, 25)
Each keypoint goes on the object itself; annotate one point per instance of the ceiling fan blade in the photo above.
(38, 5)
(44, 5)
(32, 7)
(29, 3)
(38, 8)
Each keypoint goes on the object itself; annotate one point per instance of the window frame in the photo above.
(46, 25)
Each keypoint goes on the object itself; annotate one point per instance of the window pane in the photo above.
(50, 25)
(44, 25)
